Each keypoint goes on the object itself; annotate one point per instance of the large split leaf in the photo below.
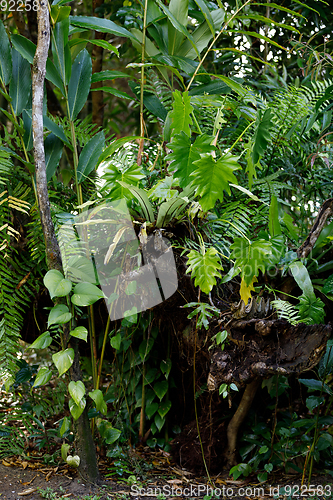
(184, 153)
(311, 309)
(126, 174)
(204, 268)
(212, 177)
(251, 257)
(180, 114)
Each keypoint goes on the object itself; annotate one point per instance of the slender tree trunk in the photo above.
(84, 442)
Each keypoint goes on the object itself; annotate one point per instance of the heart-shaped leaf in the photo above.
(63, 360)
(56, 284)
(164, 408)
(42, 377)
(159, 421)
(86, 294)
(97, 397)
(160, 389)
(77, 390)
(151, 409)
(59, 315)
(76, 410)
(73, 461)
(42, 341)
(80, 332)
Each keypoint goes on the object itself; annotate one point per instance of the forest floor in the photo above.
(35, 481)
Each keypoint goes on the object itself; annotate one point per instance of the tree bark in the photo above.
(84, 442)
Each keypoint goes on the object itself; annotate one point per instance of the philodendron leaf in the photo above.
(97, 397)
(59, 315)
(42, 341)
(42, 377)
(86, 294)
(180, 114)
(77, 390)
(184, 153)
(76, 410)
(251, 257)
(80, 332)
(5, 56)
(204, 268)
(63, 360)
(56, 284)
(212, 177)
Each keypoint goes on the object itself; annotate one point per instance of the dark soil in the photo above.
(59, 483)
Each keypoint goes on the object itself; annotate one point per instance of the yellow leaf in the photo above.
(245, 290)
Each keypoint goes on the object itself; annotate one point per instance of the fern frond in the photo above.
(286, 311)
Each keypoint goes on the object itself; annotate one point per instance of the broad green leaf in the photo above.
(311, 309)
(115, 145)
(204, 268)
(160, 389)
(77, 390)
(80, 332)
(53, 152)
(151, 409)
(100, 25)
(155, 106)
(302, 278)
(42, 377)
(76, 410)
(164, 407)
(111, 435)
(207, 15)
(100, 43)
(86, 294)
(143, 200)
(27, 50)
(313, 402)
(97, 397)
(246, 289)
(56, 129)
(159, 421)
(56, 284)
(42, 341)
(60, 50)
(202, 35)
(111, 90)
(212, 177)
(63, 360)
(5, 56)
(115, 341)
(179, 9)
(328, 285)
(251, 257)
(177, 25)
(184, 153)
(315, 385)
(27, 123)
(65, 426)
(20, 83)
(168, 210)
(145, 348)
(79, 84)
(165, 367)
(107, 75)
(64, 450)
(274, 224)
(164, 189)
(180, 114)
(59, 315)
(262, 135)
(89, 156)
(114, 173)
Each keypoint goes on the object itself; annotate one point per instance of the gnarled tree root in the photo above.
(238, 418)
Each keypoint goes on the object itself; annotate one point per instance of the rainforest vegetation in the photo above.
(194, 137)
